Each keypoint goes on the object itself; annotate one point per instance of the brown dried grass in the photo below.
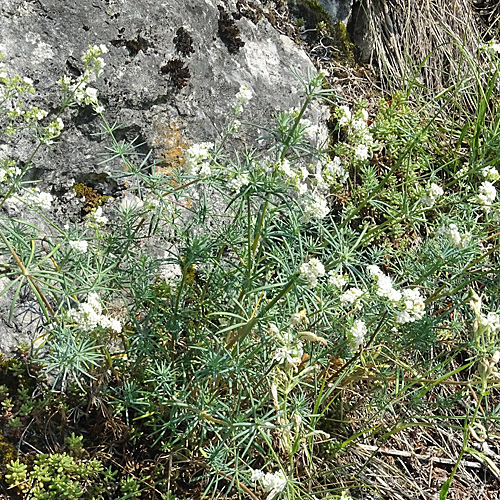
(426, 41)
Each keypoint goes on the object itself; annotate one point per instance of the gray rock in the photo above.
(339, 10)
(170, 63)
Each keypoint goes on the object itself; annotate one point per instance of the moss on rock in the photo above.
(315, 17)
(91, 198)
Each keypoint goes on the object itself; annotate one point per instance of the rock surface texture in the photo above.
(339, 10)
(173, 65)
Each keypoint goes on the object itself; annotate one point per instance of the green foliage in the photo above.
(227, 310)
(56, 476)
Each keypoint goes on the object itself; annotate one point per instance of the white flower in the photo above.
(41, 114)
(357, 334)
(314, 207)
(54, 129)
(491, 321)
(490, 173)
(311, 271)
(45, 200)
(65, 81)
(434, 192)
(361, 152)
(351, 296)
(130, 202)
(285, 168)
(37, 198)
(257, 475)
(239, 181)
(345, 115)
(304, 172)
(99, 109)
(454, 236)
(112, 323)
(95, 218)
(274, 483)
(89, 315)
(413, 306)
(358, 125)
(487, 195)
(333, 170)
(494, 48)
(384, 284)
(195, 156)
(79, 245)
(301, 188)
(91, 95)
(337, 280)
(289, 354)
(242, 98)
(205, 170)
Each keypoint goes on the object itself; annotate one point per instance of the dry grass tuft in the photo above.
(423, 41)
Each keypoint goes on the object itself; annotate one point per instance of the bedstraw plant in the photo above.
(253, 315)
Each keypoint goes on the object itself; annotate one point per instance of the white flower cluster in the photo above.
(291, 354)
(490, 173)
(52, 131)
(89, 315)
(94, 63)
(37, 199)
(334, 171)
(291, 351)
(197, 159)
(337, 280)
(272, 483)
(241, 179)
(242, 98)
(311, 271)
(433, 193)
(352, 296)
(409, 302)
(362, 153)
(40, 114)
(314, 206)
(95, 219)
(296, 178)
(453, 234)
(359, 137)
(487, 195)
(413, 306)
(80, 246)
(384, 284)
(357, 334)
(345, 115)
(78, 88)
(491, 321)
